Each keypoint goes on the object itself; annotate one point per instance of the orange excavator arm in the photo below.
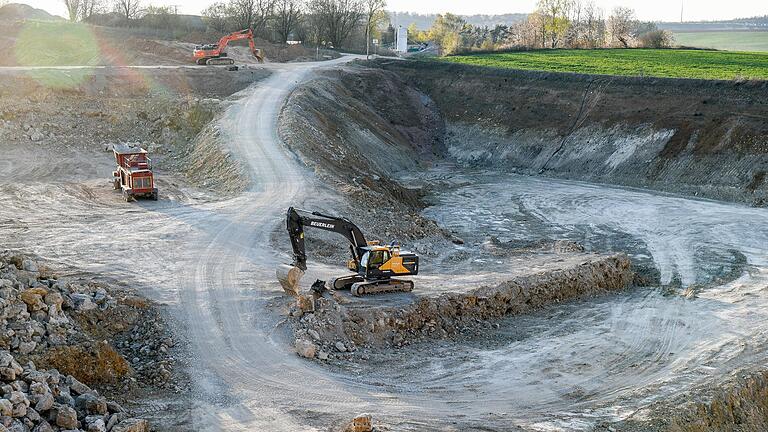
(242, 34)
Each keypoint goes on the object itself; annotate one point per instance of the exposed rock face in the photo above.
(340, 328)
(697, 137)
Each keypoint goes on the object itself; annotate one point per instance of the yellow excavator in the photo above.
(374, 265)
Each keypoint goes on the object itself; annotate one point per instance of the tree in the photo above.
(373, 8)
(556, 23)
(594, 26)
(335, 20)
(216, 17)
(287, 16)
(620, 25)
(73, 9)
(90, 7)
(129, 9)
(446, 32)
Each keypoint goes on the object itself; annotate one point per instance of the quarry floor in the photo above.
(565, 367)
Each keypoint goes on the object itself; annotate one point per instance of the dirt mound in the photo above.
(360, 130)
(704, 138)
(20, 12)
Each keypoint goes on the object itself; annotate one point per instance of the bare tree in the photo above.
(620, 25)
(251, 14)
(287, 16)
(216, 17)
(242, 13)
(594, 26)
(73, 9)
(90, 7)
(129, 9)
(372, 9)
(337, 19)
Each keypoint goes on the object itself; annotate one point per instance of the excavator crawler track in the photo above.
(375, 287)
(220, 61)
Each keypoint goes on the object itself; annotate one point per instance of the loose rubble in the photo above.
(60, 331)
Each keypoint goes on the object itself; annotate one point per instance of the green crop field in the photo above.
(630, 62)
(725, 40)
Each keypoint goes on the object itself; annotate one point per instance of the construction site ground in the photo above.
(234, 150)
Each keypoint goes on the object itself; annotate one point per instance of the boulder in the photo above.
(33, 297)
(6, 408)
(305, 348)
(82, 302)
(29, 265)
(44, 402)
(66, 417)
(76, 386)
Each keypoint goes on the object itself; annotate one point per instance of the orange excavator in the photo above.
(216, 54)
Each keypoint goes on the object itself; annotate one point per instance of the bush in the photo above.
(656, 39)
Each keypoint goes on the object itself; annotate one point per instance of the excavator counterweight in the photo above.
(374, 265)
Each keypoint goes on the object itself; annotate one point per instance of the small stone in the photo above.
(340, 346)
(315, 335)
(322, 355)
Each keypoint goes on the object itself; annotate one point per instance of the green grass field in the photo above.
(725, 40)
(630, 62)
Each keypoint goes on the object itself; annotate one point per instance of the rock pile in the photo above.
(47, 401)
(47, 322)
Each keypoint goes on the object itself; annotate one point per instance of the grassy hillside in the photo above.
(725, 40)
(630, 62)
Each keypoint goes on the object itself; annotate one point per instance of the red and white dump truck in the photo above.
(133, 175)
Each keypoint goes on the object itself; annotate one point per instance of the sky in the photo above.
(647, 10)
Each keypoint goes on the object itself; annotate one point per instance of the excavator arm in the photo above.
(242, 34)
(297, 219)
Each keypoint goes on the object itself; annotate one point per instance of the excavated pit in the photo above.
(697, 138)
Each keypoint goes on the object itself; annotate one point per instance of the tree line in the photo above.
(554, 24)
(331, 23)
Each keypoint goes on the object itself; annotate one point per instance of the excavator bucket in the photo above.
(289, 277)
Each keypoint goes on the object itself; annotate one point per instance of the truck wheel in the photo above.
(154, 196)
(116, 184)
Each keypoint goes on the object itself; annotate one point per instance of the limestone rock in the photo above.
(305, 348)
(132, 425)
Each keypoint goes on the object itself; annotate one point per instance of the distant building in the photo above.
(401, 40)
